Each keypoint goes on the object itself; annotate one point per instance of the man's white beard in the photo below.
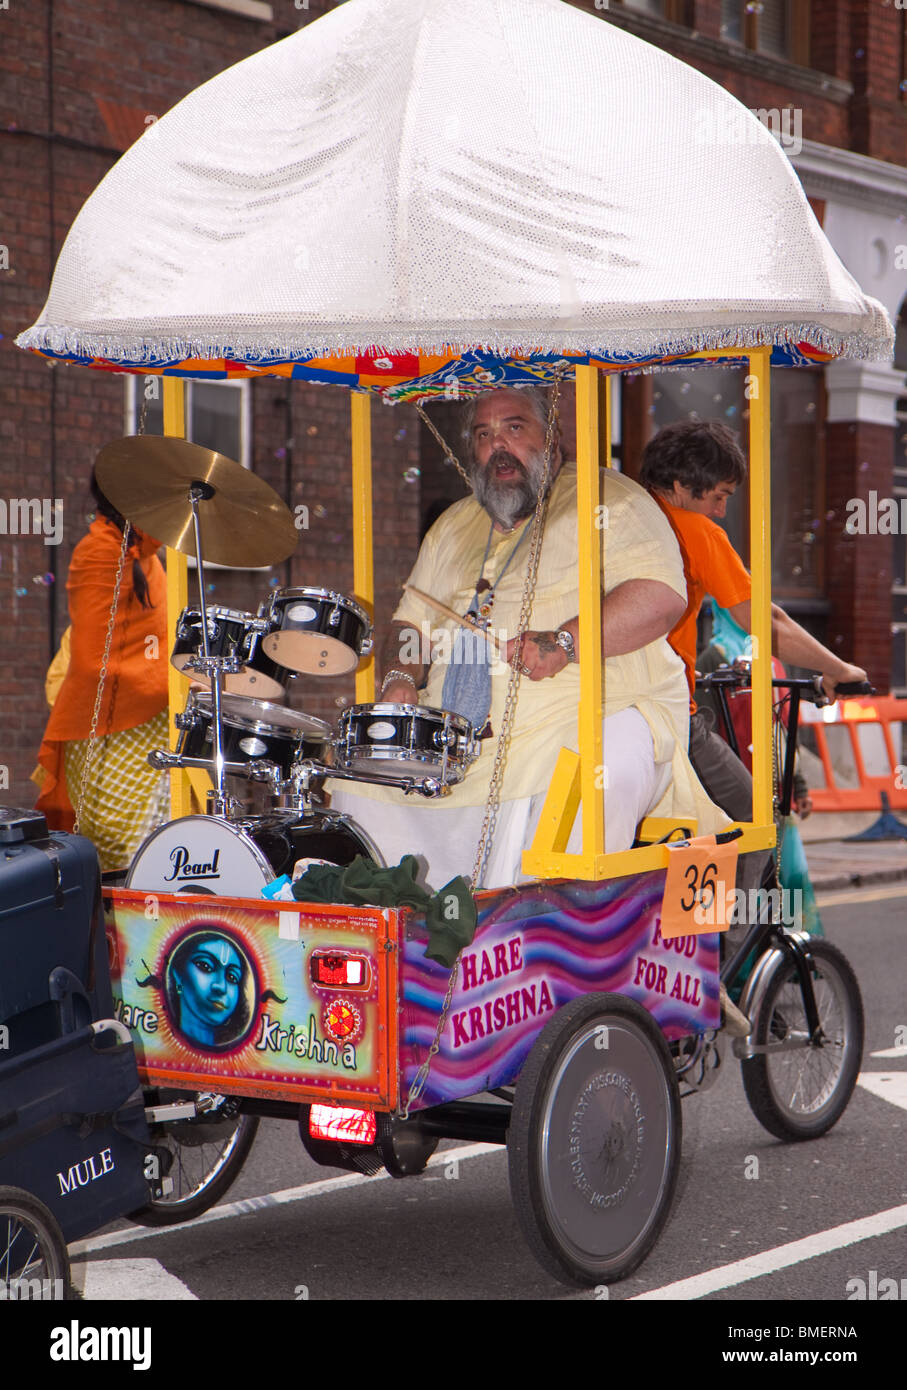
(509, 502)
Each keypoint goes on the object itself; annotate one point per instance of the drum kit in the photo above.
(201, 503)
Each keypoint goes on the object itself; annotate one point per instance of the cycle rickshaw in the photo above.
(575, 1008)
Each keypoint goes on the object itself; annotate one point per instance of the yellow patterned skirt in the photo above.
(125, 798)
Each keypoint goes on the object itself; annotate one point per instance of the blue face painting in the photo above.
(208, 986)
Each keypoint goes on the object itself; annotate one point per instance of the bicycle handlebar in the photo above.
(810, 687)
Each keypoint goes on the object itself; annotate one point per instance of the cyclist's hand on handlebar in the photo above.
(846, 675)
(803, 805)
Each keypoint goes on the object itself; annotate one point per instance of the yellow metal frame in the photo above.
(576, 784)
(188, 786)
(363, 561)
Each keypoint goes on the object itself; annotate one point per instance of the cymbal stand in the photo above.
(216, 667)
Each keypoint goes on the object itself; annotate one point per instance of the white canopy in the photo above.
(405, 175)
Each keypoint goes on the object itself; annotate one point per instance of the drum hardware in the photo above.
(160, 483)
(425, 786)
(411, 738)
(315, 632)
(255, 771)
(253, 731)
(236, 637)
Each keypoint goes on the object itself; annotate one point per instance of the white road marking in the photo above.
(129, 1280)
(888, 1085)
(781, 1257)
(891, 1052)
(870, 894)
(270, 1199)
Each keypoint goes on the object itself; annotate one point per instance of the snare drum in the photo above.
(405, 741)
(252, 729)
(316, 631)
(206, 854)
(237, 636)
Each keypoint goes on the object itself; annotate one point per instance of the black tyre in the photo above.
(202, 1158)
(34, 1261)
(800, 1092)
(595, 1139)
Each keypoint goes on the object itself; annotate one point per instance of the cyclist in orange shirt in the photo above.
(692, 468)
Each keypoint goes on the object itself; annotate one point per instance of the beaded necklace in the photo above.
(482, 602)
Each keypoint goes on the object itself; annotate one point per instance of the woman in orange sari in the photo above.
(122, 798)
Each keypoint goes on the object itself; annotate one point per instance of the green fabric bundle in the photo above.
(450, 914)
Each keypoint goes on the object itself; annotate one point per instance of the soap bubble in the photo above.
(320, 512)
(312, 431)
(411, 475)
(400, 436)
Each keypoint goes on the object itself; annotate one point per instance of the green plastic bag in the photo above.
(794, 876)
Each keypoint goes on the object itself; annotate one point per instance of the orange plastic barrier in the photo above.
(862, 750)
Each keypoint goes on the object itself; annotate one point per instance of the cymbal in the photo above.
(243, 521)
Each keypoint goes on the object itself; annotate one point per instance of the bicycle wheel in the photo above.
(34, 1261)
(799, 1092)
(595, 1138)
(206, 1156)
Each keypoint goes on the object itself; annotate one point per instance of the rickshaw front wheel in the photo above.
(595, 1140)
(34, 1261)
(798, 1089)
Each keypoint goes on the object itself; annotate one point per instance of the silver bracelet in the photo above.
(397, 675)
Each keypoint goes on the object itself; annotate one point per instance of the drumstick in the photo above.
(455, 617)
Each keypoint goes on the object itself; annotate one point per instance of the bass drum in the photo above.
(235, 859)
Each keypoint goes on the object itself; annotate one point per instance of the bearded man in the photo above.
(474, 559)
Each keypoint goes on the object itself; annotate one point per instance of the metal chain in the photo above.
(494, 790)
(449, 455)
(486, 836)
(102, 679)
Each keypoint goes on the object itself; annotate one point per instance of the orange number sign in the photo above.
(700, 875)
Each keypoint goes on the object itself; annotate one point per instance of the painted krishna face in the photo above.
(208, 976)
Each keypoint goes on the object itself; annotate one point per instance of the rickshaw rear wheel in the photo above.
(206, 1156)
(32, 1248)
(595, 1140)
(801, 1093)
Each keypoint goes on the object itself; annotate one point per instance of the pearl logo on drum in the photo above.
(179, 858)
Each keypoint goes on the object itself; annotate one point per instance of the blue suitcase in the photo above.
(54, 972)
(73, 1130)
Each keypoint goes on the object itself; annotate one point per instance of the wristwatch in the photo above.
(564, 638)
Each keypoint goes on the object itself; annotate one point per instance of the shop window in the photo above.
(777, 28)
(798, 524)
(798, 515)
(217, 413)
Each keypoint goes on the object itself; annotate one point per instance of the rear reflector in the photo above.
(342, 1122)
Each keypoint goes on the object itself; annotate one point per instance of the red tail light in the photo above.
(334, 970)
(342, 1122)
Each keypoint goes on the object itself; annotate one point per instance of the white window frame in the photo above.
(133, 406)
(135, 383)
